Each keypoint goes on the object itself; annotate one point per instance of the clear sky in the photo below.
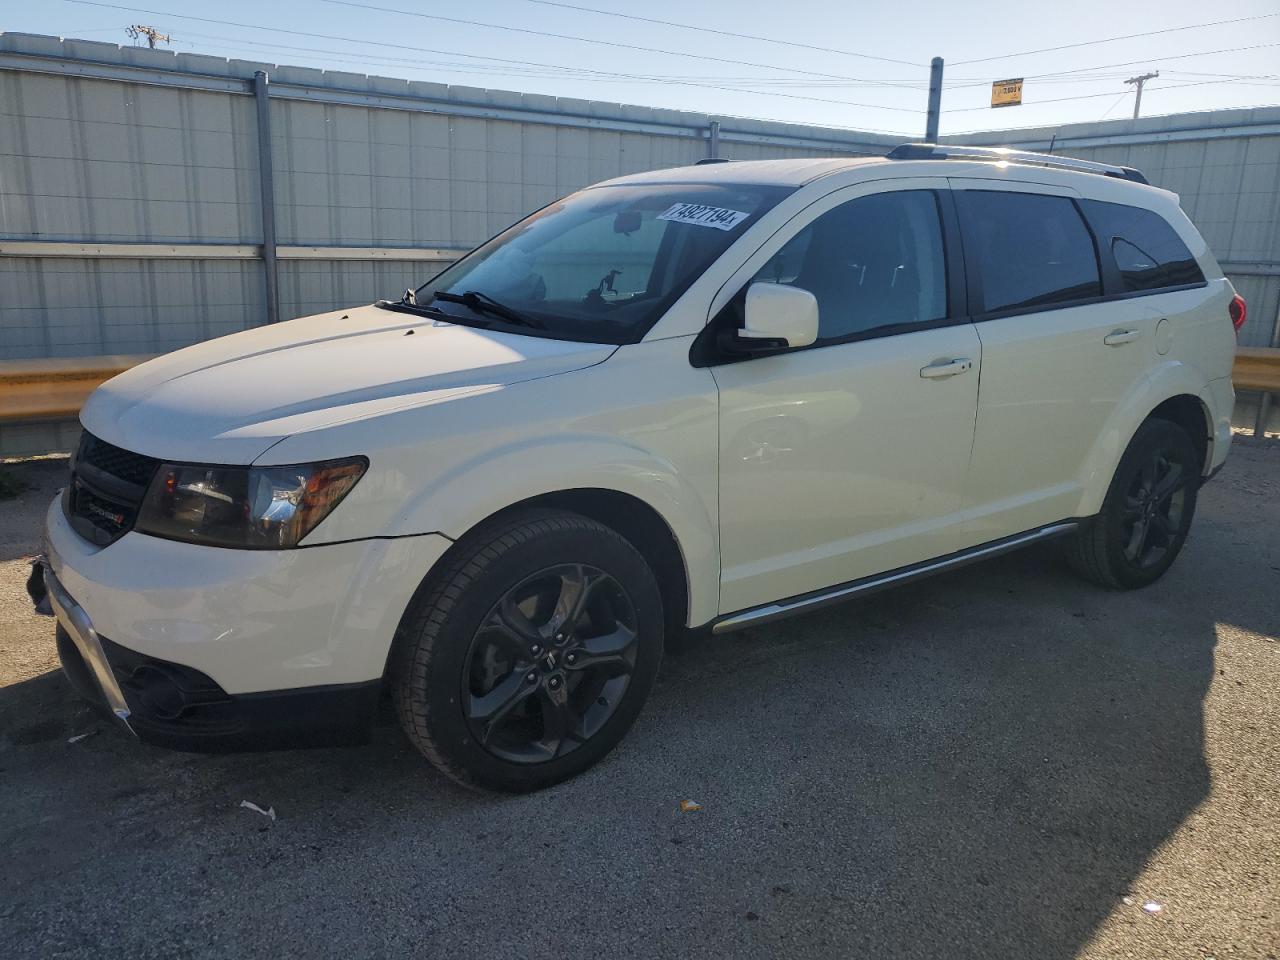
(780, 75)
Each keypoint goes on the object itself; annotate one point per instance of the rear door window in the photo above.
(1148, 252)
(875, 265)
(1029, 250)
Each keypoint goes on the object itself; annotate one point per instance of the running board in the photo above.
(808, 602)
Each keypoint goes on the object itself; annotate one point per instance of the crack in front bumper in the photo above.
(51, 599)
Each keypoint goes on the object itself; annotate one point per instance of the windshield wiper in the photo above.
(483, 303)
(406, 306)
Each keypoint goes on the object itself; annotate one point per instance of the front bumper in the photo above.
(92, 672)
(253, 620)
(208, 648)
(173, 706)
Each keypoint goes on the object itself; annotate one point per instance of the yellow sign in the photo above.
(1006, 93)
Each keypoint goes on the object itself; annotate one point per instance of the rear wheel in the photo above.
(1147, 513)
(527, 659)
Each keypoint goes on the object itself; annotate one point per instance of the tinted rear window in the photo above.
(1030, 250)
(1148, 252)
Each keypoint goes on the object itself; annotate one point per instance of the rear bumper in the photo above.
(1222, 399)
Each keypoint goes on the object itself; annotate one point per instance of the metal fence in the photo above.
(150, 200)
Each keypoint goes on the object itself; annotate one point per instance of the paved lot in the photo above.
(1003, 762)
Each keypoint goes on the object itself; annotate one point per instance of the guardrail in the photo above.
(1258, 368)
(56, 389)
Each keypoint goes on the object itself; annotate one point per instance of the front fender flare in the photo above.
(474, 490)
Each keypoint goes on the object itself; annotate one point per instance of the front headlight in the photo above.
(253, 508)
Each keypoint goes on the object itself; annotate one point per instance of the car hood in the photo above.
(229, 400)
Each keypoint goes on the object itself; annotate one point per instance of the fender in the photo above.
(1169, 379)
(473, 490)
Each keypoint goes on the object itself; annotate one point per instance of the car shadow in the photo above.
(978, 765)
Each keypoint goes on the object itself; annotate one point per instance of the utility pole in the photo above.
(1138, 82)
(935, 101)
(137, 31)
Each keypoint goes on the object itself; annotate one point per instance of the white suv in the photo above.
(715, 395)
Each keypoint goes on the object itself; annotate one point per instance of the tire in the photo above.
(529, 655)
(1147, 512)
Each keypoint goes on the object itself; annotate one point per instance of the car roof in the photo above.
(803, 170)
(782, 173)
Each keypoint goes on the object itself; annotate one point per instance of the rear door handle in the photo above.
(1118, 338)
(946, 368)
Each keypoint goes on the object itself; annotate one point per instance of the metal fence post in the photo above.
(713, 139)
(267, 195)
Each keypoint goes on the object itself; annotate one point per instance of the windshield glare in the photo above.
(604, 264)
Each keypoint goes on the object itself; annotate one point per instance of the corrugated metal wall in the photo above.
(115, 162)
(97, 153)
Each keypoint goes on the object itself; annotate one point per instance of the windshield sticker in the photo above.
(703, 216)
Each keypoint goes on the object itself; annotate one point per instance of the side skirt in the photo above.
(808, 602)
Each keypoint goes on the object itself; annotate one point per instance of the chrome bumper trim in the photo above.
(80, 628)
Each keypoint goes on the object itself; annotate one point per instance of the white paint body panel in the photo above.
(253, 620)
(841, 462)
(776, 476)
(229, 400)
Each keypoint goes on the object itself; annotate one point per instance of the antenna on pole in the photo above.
(137, 31)
(1138, 82)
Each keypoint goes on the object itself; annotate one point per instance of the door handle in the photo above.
(946, 368)
(1118, 338)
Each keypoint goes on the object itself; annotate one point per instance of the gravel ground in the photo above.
(1001, 762)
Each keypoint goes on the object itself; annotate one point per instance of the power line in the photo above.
(575, 73)
(1129, 36)
(1069, 74)
(352, 57)
(607, 43)
(418, 49)
(1119, 100)
(1091, 96)
(723, 33)
(1161, 59)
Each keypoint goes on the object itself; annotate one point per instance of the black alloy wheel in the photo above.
(528, 654)
(1147, 513)
(1154, 506)
(550, 663)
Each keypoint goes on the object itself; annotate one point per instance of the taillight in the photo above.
(1239, 311)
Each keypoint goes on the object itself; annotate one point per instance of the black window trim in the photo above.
(705, 353)
(1108, 272)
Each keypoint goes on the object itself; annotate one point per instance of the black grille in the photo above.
(107, 486)
(130, 467)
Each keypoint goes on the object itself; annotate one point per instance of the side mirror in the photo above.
(777, 316)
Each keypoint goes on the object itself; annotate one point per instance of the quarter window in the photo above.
(1148, 252)
(873, 264)
(1030, 250)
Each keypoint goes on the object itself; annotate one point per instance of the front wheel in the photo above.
(531, 653)
(1147, 513)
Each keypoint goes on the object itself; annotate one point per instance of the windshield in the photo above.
(601, 265)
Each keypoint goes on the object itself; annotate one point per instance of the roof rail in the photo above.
(944, 151)
(706, 160)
